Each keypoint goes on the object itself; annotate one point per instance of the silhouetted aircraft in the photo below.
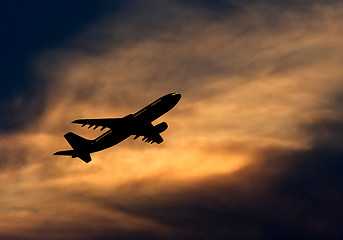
(138, 124)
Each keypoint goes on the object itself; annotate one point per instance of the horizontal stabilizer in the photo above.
(80, 145)
(83, 156)
(65, 153)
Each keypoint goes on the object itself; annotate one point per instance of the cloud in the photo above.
(252, 150)
(283, 194)
(11, 159)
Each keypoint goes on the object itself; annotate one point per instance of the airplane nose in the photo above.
(177, 96)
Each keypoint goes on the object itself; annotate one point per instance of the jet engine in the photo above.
(161, 127)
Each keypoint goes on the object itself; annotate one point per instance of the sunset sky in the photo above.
(254, 148)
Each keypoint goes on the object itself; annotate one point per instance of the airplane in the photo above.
(138, 124)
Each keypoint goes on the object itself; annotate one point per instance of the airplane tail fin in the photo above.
(77, 142)
(80, 146)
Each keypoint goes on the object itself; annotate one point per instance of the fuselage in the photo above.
(146, 115)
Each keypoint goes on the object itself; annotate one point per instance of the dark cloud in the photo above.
(215, 10)
(329, 132)
(300, 202)
(27, 30)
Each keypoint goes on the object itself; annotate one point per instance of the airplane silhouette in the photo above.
(138, 124)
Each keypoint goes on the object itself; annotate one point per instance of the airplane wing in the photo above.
(151, 138)
(103, 122)
(150, 133)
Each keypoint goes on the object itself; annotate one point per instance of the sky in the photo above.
(254, 148)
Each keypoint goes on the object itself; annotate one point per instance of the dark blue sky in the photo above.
(27, 29)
